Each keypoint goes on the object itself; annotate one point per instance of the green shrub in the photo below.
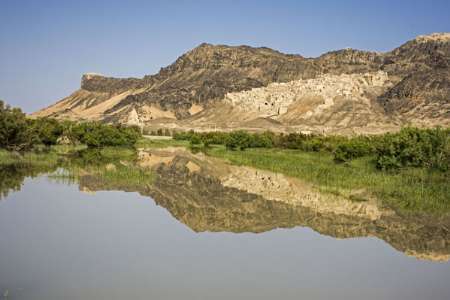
(47, 130)
(238, 140)
(95, 134)
(261, 140)
(413, 147)
(183, 135)
(15, 131)
(353, 148)
(195, 140)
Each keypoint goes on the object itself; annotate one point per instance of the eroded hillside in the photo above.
(223, 87)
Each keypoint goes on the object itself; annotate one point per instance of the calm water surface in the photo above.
(59, 243)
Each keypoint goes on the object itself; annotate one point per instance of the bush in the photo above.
(413, 147)
(238, 140)
(183, 135)
(195, 140)
(353, 148)
(16, 134)
(47, 130)
(95, 134)
(410, 147)
(262, 140)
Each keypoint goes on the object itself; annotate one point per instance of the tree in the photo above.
(238, 140)
(195, 140)
(15, 132)
(47, 130)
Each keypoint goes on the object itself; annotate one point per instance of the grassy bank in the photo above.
(28, 159)
(160, 143)
(111, 167)
(408, 190)
(14, 168)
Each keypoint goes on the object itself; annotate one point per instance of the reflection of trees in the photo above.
(11, 180)
(13, 175)
(98, 157)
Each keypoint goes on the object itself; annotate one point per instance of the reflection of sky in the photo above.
(58, 243)
(47, 44)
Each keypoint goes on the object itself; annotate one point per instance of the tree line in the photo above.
(410, 147)
(19, 133)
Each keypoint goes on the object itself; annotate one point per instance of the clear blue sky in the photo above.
(45, 45)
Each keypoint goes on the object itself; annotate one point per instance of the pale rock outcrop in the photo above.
(275, 99)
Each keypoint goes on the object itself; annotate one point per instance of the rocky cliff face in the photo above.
(195, 91)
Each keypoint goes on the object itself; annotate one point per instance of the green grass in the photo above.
(113, 176)
(408, 190)
(112, 167)
(67, 149)
(129, 176)
(148, 143)
(34, 159)
(14, 168)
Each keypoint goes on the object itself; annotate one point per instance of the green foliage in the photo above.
(195, 140)
(160, 143)
(183, 135)
(95, 134)
(408, 190)
(15, 132)
(15, 167)
(19, 133)
(238, 140)
(262, 140)
(353, 148)
(47, 130)
(413, 147)
(101, 156)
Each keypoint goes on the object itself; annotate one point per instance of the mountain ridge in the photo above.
(416, 90)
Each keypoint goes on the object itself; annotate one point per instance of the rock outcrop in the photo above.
(315, 94)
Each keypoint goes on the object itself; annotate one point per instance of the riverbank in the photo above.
(406, 190)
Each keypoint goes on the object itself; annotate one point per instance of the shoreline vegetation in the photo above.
(408, 171)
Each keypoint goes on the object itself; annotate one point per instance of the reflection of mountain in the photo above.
(207, 195)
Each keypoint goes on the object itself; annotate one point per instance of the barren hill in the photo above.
(224, 87)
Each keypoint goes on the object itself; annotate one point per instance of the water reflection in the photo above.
(207, 194)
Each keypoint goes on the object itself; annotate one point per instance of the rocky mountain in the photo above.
(224, 87)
